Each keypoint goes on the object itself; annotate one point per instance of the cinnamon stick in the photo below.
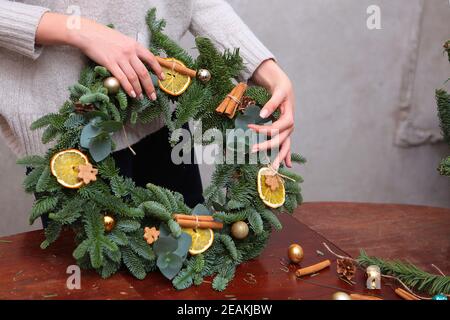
(176, 67)
(223, 105)
(179, 216)
(356, 296)
(313, 269)
(199, 224)
(405, 295)
(232, 104)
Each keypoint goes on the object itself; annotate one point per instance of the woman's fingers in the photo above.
(123, 79)
(277, 98)
(272, 143)
(144, 77)
(148, 58)
(132, 77)
(285, 151)
(288, 160)
(285, 122)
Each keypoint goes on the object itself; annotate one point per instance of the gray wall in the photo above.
(366, 117)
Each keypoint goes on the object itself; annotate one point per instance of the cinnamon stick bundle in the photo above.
(231, 102)
(313, 269)
(200, 222)
(176, 67)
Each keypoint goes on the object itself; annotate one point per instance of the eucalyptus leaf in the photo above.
(250, 116)
(201, 210)
(165, 245)
(184, 243)
(169, 264)
(89, 131)
(100, 147)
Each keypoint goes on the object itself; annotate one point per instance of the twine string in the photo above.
(234, 99)
(128, 141)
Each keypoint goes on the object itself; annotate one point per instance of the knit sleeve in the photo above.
(217, 20)
(18, 25)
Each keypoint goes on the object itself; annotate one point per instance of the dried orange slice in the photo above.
(174, 82)
(272, 197)
(64, 166)
(202, 239)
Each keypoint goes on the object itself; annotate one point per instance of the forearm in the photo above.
(53, 30)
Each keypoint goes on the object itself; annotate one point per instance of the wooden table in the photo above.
(27, 272)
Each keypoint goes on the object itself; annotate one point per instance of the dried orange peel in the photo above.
(202, 239)
(174, 83)
(271, 193)
(64, 166)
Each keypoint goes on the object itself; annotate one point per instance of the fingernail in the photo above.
(153, 96)
(141, 96)
(254, 148)
(264, 113)
(162, 76)
(133, 94)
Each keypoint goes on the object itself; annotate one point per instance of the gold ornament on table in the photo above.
(151, 234)
(87, 173)
(346, 268)
(112, 84)
(340, 296)
(109, 222)
(373, 277)
(239, 230)
(295, 253)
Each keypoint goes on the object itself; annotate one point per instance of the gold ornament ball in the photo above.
(239, 230)
(295, 253)
(109, 222)
(340, 296)
(112, 84)
(203, 75)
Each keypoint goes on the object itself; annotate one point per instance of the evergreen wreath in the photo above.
(86, 123)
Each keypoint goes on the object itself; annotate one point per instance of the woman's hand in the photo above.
(123, 56)
(270, 76)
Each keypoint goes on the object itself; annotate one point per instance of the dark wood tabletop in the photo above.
(27, 272)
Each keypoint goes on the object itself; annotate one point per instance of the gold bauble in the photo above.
(239, 230)
(203, 75)
(109, 222)
(295, 253)
(112, 84)
(340, 296)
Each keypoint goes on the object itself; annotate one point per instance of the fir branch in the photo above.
(41, 206)
(270, 217)
(408, 273)
(255, 221)
(32, 161)
(52, 232)
(133, 263)
(229, 245)
(444, 167)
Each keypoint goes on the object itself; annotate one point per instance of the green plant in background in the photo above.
(443, 103)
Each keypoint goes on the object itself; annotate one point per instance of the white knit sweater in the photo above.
(34, 81)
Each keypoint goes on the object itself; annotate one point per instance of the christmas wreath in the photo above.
(115, 222)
